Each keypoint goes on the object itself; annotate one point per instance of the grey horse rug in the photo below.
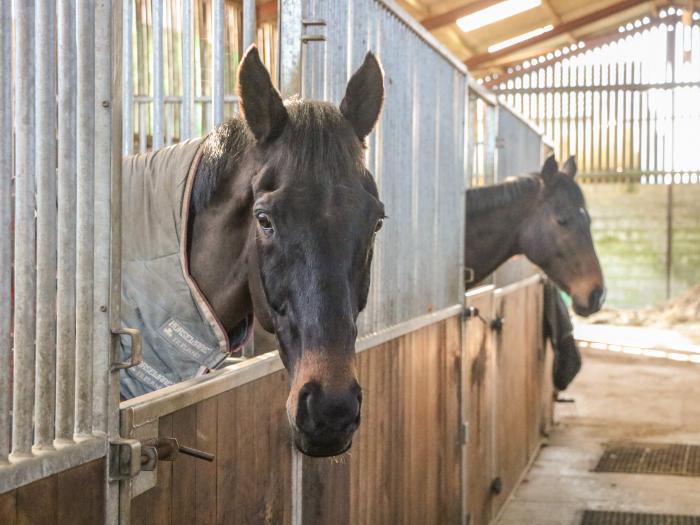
(181, 335)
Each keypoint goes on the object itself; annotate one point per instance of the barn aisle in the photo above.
(615, 398)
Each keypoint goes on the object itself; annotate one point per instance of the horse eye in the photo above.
(264, 222)
(562, 221)
(379, 225)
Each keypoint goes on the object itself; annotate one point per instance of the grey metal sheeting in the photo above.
(416, 153)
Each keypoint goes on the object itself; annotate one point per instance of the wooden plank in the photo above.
(205, 472)
(81, 494)
(184, 468)
(8, 507)
(571, 25)
(37, 502)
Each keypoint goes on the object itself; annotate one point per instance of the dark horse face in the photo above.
(557, 237)
(316, 212)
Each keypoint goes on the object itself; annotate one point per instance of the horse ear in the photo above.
(550, 167)
(570, 167)
(261, 104)
(364, 96)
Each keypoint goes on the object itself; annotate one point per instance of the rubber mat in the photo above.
(651, 458)
(601, 517)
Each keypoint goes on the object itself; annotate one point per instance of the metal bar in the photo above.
(65, 275)
(158, 59)
(128, 78)
(218, 62)
(187, 87)
(25, 259)
(5, 221)
(44, 401)
(112, 489)
(142, 128)
(290, 35)
(85, 16)
(102, 334)
(249, 23)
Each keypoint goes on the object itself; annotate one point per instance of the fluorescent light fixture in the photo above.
(519, 38)
(495, 13)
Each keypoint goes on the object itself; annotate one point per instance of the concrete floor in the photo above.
(615, 397)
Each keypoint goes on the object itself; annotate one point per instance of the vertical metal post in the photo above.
(65, 275)
(6, 171)
(187, 87)
(85, 16)
(25, 259)
(290, 31)
(669, 238)
(217, 90)
(249, 23)
(102, 333)
(46, 225)
(158, 92)
(128, 78)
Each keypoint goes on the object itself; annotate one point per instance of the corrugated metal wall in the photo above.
(416, 153)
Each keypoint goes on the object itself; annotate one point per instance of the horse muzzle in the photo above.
(595, 302)
(326, 420)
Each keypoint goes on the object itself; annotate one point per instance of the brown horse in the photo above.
(283, 218)
(544, 217)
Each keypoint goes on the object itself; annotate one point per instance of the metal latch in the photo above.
(124, 458)
(167, 449)
(135, 335)
(128, 457)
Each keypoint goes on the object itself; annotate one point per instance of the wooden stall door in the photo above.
(477, 410)
(518, 373)
(404, 465)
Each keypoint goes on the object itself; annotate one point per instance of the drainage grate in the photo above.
(602, 517)
(651, 458)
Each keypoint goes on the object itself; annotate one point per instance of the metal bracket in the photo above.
(136, 355)
(315, 23)
(464, 432)
(124, 459)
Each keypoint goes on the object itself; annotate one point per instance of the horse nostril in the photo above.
(595, 300)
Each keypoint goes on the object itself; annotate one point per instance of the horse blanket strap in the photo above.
(181, 335)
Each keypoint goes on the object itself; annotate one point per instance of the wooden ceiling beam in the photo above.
(448, 17)
(592, 41)
(560, 29)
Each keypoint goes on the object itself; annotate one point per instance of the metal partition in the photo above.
(416, 153)
(57, 407)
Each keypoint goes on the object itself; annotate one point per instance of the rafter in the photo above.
(558, 30)
(448, 17)
(592, 40)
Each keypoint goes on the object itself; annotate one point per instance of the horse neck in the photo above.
(495, 215)
(219, 230)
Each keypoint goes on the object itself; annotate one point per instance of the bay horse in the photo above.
(543, 217)
(282, 223)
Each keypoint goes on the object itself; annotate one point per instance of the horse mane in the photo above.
(313, 132)
(221, 152)
(502, 195)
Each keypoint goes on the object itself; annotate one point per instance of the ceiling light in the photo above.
(495, 13)
(519, 38)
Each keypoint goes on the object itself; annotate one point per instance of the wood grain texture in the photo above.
(72, 497)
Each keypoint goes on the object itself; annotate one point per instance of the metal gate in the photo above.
(59, 190)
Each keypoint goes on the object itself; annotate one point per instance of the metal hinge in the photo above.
(464, 432)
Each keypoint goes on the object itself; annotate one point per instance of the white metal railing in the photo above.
(55, 242)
